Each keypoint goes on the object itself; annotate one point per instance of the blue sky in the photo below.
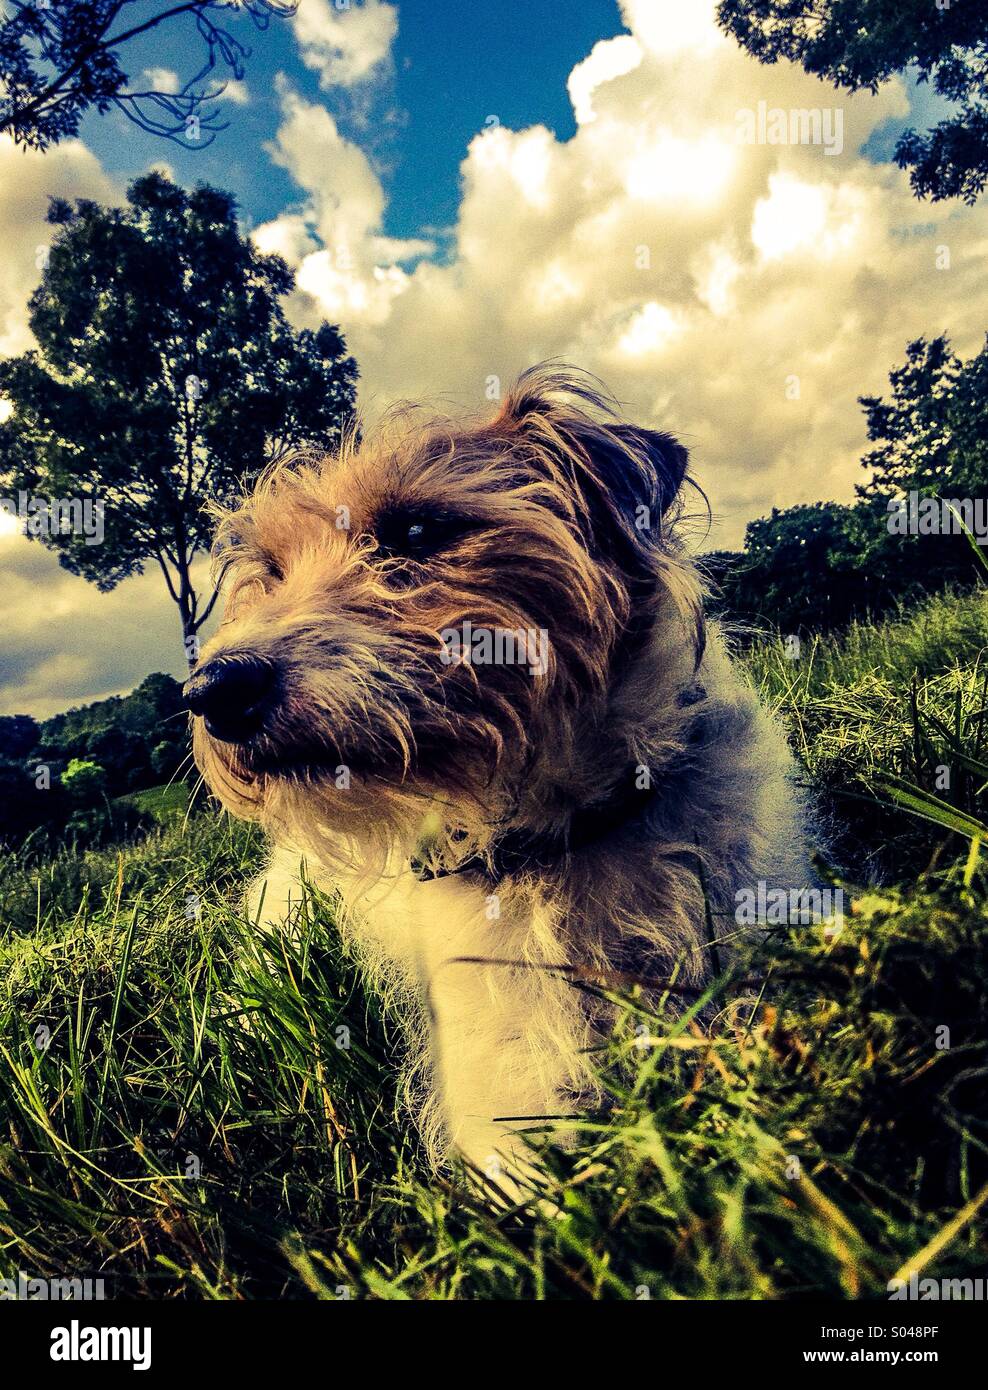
(453, 67)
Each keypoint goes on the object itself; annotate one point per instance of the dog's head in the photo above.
(425, 617)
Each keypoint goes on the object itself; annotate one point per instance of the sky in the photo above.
(466, 190)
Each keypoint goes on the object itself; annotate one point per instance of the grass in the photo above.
(167, 803)
(193, 1111)
(903, 702)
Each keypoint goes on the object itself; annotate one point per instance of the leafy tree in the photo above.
(22, 806)
(164, 759)
(18, 735)
(166, 374)
(124, 755)
(932, 433)
(61, 58)
(93, 756)
(84, 781)
(801, 568)
(819, 566)
(152, 709)
(861, 43)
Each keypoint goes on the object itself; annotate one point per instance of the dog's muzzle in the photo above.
(233, 695)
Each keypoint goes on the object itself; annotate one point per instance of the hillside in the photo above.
(195, 1111)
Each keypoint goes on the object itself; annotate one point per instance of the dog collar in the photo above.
(518, 851)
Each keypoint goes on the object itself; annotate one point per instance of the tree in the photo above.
(18, 735)
(165, 374)
(819, 566)
(164, 762)
(861, 43)
(932, 433)
(60, 58)
(801, 568)
(84, 781)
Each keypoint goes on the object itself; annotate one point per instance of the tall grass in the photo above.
(899, 704)
(191, 1110)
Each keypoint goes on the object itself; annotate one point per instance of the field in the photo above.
(191, 1111)
(167, 803)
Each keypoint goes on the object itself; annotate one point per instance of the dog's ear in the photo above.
(642, 471)
(630, 481)
(629, 477)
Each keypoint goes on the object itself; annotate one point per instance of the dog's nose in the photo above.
(232, 694)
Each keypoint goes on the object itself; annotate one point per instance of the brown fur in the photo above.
(568, 523)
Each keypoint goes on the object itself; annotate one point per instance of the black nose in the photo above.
(233, 694)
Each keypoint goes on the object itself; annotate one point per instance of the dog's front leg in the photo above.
(278, 891)
(508, 1037)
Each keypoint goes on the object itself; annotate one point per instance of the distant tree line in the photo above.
(63, 778)
(821, 565)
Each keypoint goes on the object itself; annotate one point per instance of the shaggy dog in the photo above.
(464, 675)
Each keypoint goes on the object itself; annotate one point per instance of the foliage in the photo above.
(61, 58)
(84, 781)
(18, 735)
(137, 741)
(862, 43)
(211, 1113)
(932, 432)
(166, 374)
(817, 567)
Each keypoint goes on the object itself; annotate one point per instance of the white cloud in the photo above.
(345, 263)
(670, 27)
(346, 195)
(697, 275)
(346, 44)
(608, 59)
(162, 80)
(27, 179)
(821, 220)
(669, 168)
(649, 329)
(235, 92)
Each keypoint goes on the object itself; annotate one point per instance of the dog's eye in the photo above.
(405, 535)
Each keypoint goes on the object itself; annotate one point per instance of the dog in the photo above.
(464, 679)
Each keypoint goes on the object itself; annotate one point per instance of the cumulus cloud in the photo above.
(345, 44)
(64, 643)
(608, 59)
(27, 180)
(234, 91)
(347, 268)
(740, 294)
(162, 80)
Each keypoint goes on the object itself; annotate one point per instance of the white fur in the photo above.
(494, 1044)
